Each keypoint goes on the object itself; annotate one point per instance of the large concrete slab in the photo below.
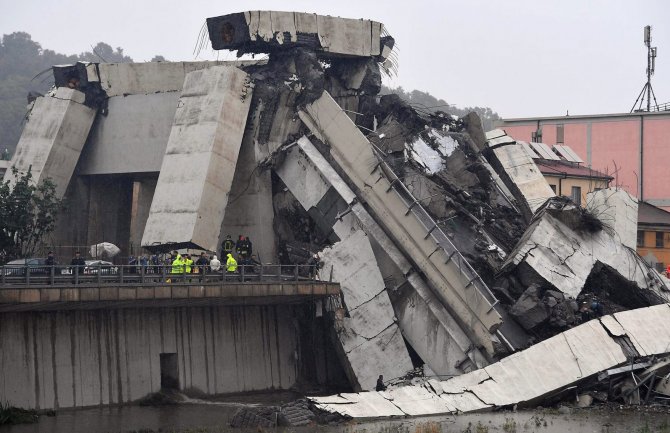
(260, 31)
(133, 135)
(368, 335)
(565, 255)
(618, 210)
(408, 224)
(53, 138)
(197, 171)
(123, 79)
(528, 376)
(519, 172)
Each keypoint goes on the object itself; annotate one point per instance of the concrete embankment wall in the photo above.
(97, 357)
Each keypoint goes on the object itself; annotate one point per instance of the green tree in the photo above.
(28, 213)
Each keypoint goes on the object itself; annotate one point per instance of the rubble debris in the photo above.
(574, 357)
(425, 323)
(569, 250)
(402, 215)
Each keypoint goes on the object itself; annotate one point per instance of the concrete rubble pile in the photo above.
(452, 251)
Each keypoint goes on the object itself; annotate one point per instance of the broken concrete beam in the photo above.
(529, 376)
(122, 79)
(559, 249)
(616, 209)
(368, 334)
(197, 171)
(430, 329)
(519, 172)
(53, 138)
(264, 31)
(455, 283)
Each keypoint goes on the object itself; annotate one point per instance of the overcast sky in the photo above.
(519, 57)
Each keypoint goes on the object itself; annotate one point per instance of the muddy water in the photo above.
(203, 418)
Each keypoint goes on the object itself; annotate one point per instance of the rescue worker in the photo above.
(188, 263)
(227, 247)
(231, 264)
(239, 246)
(177, 263)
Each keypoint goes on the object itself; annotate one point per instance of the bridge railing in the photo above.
(23, 276)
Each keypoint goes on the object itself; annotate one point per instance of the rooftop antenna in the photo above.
(651, 65)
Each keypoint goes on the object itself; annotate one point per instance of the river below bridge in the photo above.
(214, 417)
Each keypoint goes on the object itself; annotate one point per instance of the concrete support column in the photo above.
(53, 138)
(197, 171)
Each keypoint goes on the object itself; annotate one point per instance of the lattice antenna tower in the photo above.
(647, 91)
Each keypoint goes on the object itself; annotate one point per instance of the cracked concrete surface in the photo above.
(564, 256)
(526, 377)
(368, 333)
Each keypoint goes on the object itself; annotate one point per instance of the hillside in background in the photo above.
(424, 101)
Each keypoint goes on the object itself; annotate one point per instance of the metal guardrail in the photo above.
(440, 238)
(25, 276)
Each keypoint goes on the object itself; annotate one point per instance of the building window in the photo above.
(553, 188)
(577, 195)
(559, 134)
(659, 239)
(536, 136)
(640, 238)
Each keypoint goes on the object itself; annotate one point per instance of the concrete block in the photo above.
(260, 31)
(565, 255)
(89, 294)
(30, 295)
(108, 293)
(124, 79)
(618, 210)
(197, 171)
(179, 292)
(163, 292)
(53, 138)
(518, 171)
(127, 293)
(370, 334)
(133, 135)
(50, 295)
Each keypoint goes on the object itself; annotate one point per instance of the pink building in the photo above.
(632, 148)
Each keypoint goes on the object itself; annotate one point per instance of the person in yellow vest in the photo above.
(177, 264)
(231, 264)
(188, 263)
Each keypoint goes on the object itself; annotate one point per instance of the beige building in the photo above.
(572, 180)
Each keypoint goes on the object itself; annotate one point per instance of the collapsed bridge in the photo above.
(450, 249)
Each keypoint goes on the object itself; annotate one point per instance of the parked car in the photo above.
(37, 267)
(92, 267)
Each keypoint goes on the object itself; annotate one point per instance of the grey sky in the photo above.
(519, 57)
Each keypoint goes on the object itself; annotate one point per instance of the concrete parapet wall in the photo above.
(197, 170)
(88, 358)
(53, 138)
